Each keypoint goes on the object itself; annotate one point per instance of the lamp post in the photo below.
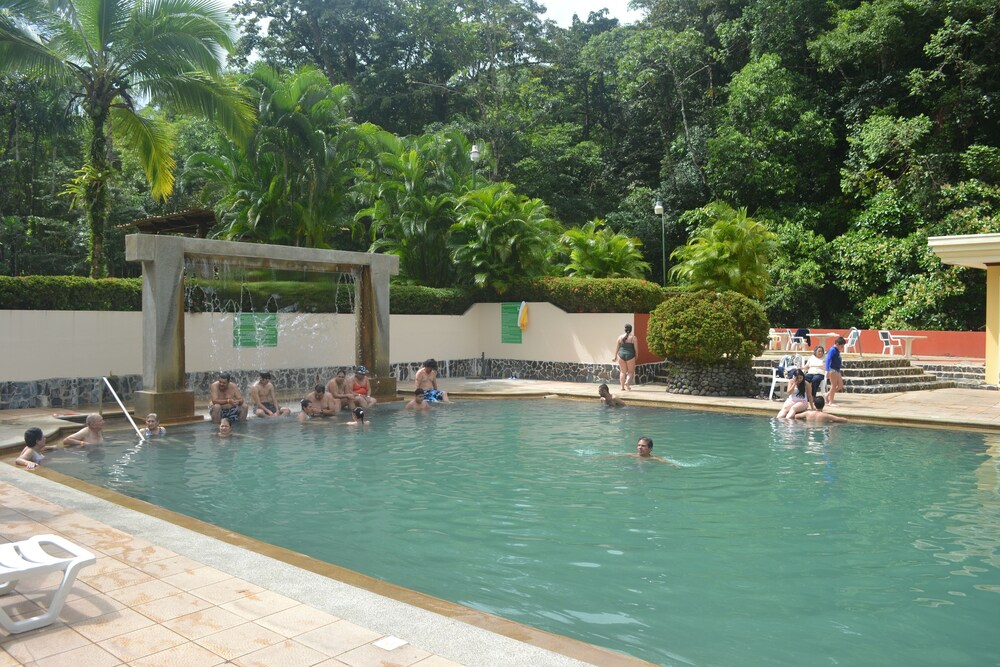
(658, 210)
(474, 156)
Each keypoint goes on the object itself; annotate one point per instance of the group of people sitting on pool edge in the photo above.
(803, 401)
(340, 393)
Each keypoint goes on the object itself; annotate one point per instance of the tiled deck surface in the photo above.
(161, 594)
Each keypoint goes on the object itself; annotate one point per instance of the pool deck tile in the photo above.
(162, 595)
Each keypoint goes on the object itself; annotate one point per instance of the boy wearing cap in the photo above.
(362, 389)
(265, 402)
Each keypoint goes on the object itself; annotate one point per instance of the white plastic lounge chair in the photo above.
(27, 557)
(852, 340)
(889, 343)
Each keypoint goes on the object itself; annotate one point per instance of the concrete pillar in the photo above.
(993, 324)
(372, 292)
(163, 370)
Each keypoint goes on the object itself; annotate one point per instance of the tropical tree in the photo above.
(597, 252)
(729, 255)
(291, 183)
(500, 236)
(120, 54)
(411, 186)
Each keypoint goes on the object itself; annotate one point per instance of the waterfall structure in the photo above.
(163, 259)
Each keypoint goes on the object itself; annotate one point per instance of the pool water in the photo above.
(773, 544)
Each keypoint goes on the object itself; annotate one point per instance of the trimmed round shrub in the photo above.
(708, 327)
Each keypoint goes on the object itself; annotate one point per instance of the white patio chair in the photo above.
(787, 362)
(795, 342)
(852, 340)
(889, 344)
(27, 557)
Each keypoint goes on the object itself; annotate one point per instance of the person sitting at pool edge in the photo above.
(227, 401)
(323, 403)
(91, 434)
(426, 379)
(362, 389)
(817, 416)
(342, 396)
(153, 427)
(34, 444)
(608, 399)
(418, 403)
(263, 397)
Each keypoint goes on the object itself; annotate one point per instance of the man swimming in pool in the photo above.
(418, 403)
(426, 379)
(263, 397)
(227, 401)
(644, 450)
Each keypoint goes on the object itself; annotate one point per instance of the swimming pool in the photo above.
(774, 543)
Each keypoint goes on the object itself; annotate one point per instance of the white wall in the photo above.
(38, 344)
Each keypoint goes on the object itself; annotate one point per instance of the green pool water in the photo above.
(772, 544)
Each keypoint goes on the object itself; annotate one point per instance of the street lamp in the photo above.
(474, 156)
(658, 210)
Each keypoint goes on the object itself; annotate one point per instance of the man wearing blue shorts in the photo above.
(833, 374)
(426, 379)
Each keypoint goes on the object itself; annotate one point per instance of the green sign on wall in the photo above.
(509, 331)
(255, 330)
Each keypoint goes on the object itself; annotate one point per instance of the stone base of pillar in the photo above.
(168, 405)
(384, 388)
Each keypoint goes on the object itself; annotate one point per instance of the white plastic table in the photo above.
(907, 343)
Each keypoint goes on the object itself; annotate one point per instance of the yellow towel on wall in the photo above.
(522, 316)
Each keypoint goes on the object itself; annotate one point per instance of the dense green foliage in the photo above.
(70, 293)
(573, 295)
(851, 131)
(703, 327)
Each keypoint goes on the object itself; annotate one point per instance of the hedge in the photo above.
(574, 295)
(69, 293)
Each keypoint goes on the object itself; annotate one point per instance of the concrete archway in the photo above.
(163, 360)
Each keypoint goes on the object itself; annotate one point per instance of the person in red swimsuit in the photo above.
(362, 389)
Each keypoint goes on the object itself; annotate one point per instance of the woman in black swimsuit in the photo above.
(625, 356)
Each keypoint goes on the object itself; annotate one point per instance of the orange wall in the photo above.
(938, 343)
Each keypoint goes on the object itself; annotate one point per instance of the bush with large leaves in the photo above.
(597, 252)
(731, 254)
(501, 236)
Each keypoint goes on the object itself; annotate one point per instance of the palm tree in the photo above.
(597, 252)
(501, 236)
(119, 54)
(290, 184)
(411, 186)
(731, 255)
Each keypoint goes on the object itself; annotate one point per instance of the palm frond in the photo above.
(152, 142)
(201, 95)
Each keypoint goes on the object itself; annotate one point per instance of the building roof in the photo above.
(974, 250)
(193, 222)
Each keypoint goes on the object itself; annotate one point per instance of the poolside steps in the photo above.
(966, 376)
(876, 375)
